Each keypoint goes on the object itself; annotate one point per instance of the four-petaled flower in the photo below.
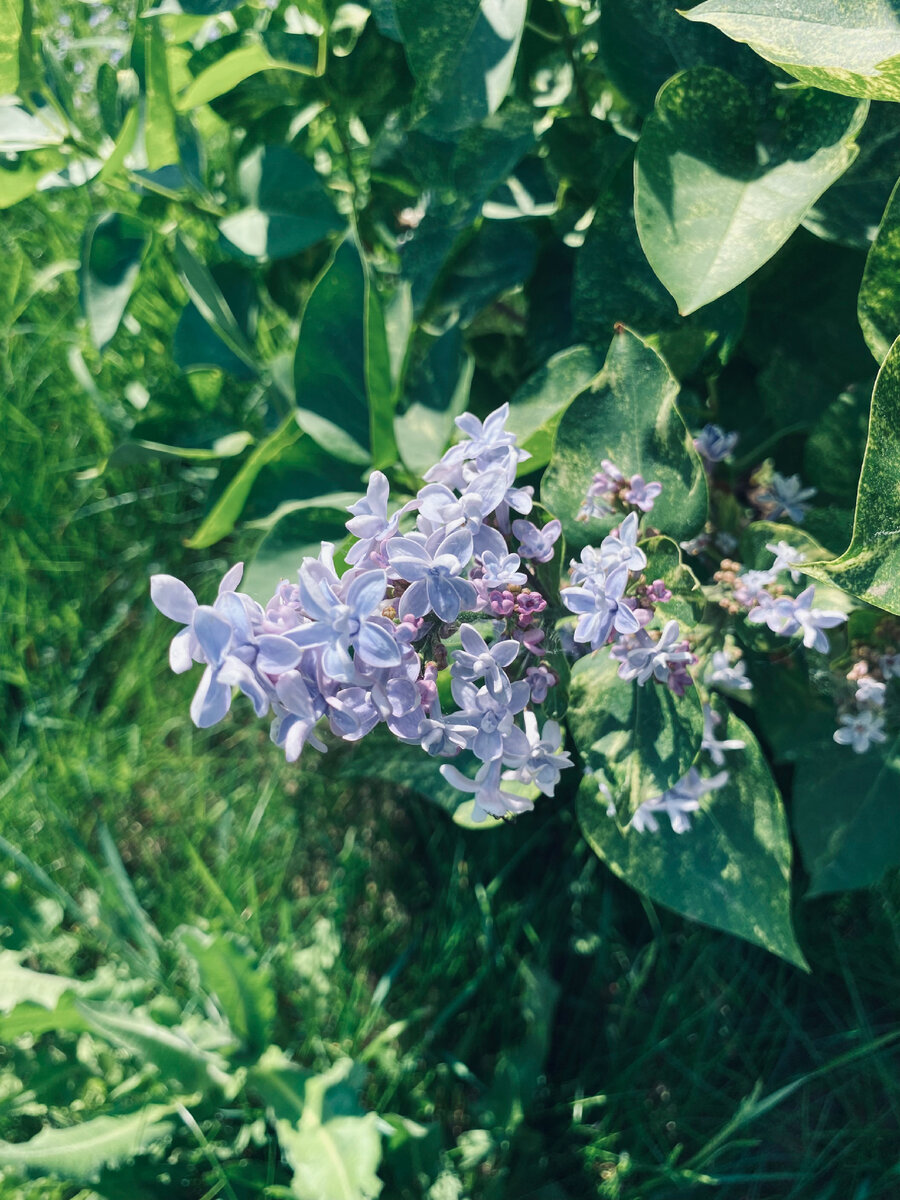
(860, 730)
(788, 616)
(714, 444)
(601, 608)
(642, 494)
(433, 569)
(785, 496)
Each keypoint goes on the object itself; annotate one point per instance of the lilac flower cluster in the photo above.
(606, 615)
(610, 488)
(363, 647)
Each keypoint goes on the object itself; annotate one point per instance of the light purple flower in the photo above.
(433, 570)
(620, 547)
(537, 544)
(713, 747)
(490, 799)
(785, 497)
(600, 608)
(714, 444)
(642, 494)
(477, 660)
(678, 802)
(723, 673)
(871, 691)
(370, 521)
(860, 730)
(502, 572)
(176, 601)
(546, 761)
(341, 623)
(486, 723)
(787, 616)
(785, 555)
(540, 679)
(642, 658)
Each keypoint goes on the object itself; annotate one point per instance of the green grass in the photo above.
(500, 981)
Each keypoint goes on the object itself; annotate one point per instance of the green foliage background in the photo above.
(249, 253)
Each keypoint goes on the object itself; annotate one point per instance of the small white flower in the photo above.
(871, 691)
(710, 744)
(785, 554)
(723, 673)
(859, 730)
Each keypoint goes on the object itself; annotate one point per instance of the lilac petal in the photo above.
(491, 487)
(826, 619)
(173, 598)
(377, 647)
(365, 593)
(294, 694)
(231, 607)
(236, 673)
(505, 652)
(231, 579)
(311, 597)
(516, 747)
(473, 642)
(443, 598)
(337, 663)
(277, 654)
(414, 601)
(180, 659)
(211, 701)
(625, 620)
(213, 633)
(579, 600)
(457, 545)
(468, 596)
(488, 745)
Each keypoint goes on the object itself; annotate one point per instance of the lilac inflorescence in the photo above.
(362, 647)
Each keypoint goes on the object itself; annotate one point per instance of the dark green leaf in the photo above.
(731, 870)
(538, 405)
(80, 1152)
(713, 200)
(341, 368)
(627, 414)
(436, 391)
(297, 533)
(870, 566)
(851, 48)
(225, 513)
(237, 983)
(844, 814)
(287, 209)
(210, 303)
(879, 293)
(462, 53)
(114, 248)
(300, 54)
(642, 739)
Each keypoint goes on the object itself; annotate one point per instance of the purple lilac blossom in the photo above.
(787, 616)
(490, 799)
(678, 802)
(600, 608)
(537, 544)
(433, 568)
(785, 496)
(860, 730)
(642, 494)
(641, 658)
(620, 547)
(714, 747)
(714, 444)
(477, 660)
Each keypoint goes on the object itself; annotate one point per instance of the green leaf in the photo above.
(225, 513)
(342, 367)
(642, 739)
(82, 1151)
(281, 1083)
(333, 1151)
(160, 140)
(844, 814)
(870, 566)
(851, 48)
(462, 54)
(171, 1052)
(239, 985)
(879, 292)
(436, 391)
(731, 870)
(288, 208)
(113, 250)
(614, 284)
(21, 130)
(19, 985)
(297, 531)
(210, 302)
(10, 32)
(627, 414)
(714, 199)
(537, 407)
(237, 65)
